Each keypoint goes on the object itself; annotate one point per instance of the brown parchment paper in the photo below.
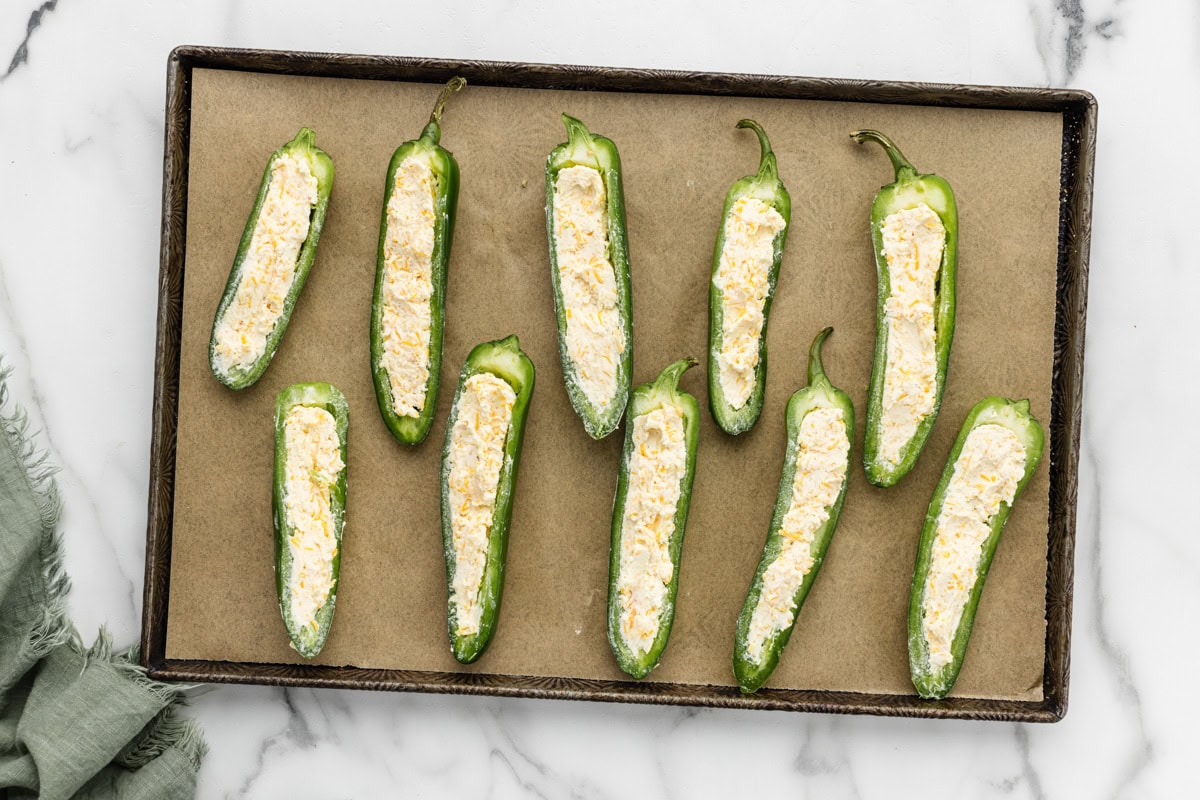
(680, 154)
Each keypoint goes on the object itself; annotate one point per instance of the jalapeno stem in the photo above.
(768, 169)
(904, 168)
(434, 129)
(669, 377)
(577, 132)
(306, 137)
(816, 370)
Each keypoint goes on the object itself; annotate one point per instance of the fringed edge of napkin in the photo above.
(168, 729)
(53, 629)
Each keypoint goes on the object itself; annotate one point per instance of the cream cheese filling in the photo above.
(269, 267)
(477, 456)
(657, 464)
(913, 240)
(408, 285)
(821, 450)
(986, 474)
(313, 464)
(595, 337)
(742, 277)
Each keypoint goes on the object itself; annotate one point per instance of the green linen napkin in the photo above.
(75, 722)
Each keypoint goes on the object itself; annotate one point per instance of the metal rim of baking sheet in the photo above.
(1078, 110)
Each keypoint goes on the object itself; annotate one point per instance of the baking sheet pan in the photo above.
(1022, 265)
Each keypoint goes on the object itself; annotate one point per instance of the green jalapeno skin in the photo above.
(1015, 416)
(583, 148)
(442, 164)
(302, 146)
(307, 641)
(647, 397)
(819, 393)
(504, 359)
(765, 186)
(909, 190)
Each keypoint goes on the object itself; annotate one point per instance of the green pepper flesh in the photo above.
(303, 145)
(1015, 416)
(583, 148)
(306, 640)
(504, 359)
(764, 186)
(646, 398)
(819, 393)
(909, 190)
(442, 164)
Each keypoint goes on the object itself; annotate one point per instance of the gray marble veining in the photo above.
(22, 52)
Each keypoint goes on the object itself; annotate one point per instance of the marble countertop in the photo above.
(81, 105)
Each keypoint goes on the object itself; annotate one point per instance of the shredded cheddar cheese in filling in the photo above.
(477, 456)
(595, 336)
(269, 267)
(408, 286)
(657, 464)
(913, 240)
(314, 461)
(821, 450)
(742, 277)
(986, 474)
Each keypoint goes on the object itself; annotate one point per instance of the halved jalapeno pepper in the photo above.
(589, 268)
(479, 479)
(654, 490)
(914, 231)
(272, 263)
(996, 452)
(754, 228)
(312, 422)
(812, 489)
(408, 309)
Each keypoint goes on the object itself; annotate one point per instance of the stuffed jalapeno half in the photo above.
(812, 489)
(408, 310)
(650, 512)
(309, 508)
(589, 267)
(914, 231)
(996, 452)
(754, 227)
(272, 263)
(479, 477)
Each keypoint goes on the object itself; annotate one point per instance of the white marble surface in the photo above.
(81, 124)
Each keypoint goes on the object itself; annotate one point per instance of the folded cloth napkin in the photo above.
(75, 722)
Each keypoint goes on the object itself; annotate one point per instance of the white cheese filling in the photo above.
(588, 284)
(477, 456)
(821, 451)
(408, 286)
(314, 462)
(657, 464)
(986, 474)
(269, 267)
(913, 240)
(742, 277)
